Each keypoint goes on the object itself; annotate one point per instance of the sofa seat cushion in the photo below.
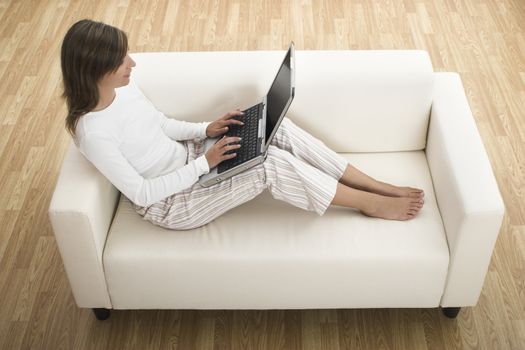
(267, 254)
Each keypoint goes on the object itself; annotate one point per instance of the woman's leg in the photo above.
(306, 147)
(287, 178)
(294, 181)
(199, 205)
(302, 145)
(353, 177)
(302, 185)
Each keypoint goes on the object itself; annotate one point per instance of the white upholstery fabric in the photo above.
(383, 97)
(80, 212)
(467, 192)
(268, 254)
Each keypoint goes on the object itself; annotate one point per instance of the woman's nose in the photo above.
(129, 62)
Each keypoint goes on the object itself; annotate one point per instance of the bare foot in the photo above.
(410, 192)
(396, 191)
(394, 208)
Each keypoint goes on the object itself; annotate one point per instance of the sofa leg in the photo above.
(102, 314)
(451, 312)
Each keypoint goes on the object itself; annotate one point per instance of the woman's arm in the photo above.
(107, 158)
(181, 130)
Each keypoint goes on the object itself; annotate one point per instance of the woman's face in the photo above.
(120, 77)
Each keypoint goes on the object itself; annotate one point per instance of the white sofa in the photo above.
(387, 112)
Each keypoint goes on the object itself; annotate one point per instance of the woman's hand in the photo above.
(215, 154)
(220, 126)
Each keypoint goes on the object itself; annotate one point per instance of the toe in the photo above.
(418, 192)
(414, 194)
(416, 207)
(409, 216)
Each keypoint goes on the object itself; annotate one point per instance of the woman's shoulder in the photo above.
(96, 125)
(111, 121)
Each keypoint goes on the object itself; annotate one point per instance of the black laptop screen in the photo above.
(279, 94)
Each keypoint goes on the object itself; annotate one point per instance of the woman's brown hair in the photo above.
(89, 51)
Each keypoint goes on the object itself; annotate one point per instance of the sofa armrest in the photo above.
(81, 212)
(466, 190)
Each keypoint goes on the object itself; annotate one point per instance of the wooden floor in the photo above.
(483, 40)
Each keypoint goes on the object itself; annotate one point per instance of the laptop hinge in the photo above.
(262, 126)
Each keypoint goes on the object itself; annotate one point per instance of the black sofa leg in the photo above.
(451, 312)
(102, 314)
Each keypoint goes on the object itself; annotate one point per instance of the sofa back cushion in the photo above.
(355, 101)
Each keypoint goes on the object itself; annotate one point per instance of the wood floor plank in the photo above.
(14, 280)
(171, 329)
(222, 337)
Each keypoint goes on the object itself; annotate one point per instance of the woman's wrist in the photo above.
(207, 129)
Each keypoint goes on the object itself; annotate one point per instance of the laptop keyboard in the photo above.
(248, 133)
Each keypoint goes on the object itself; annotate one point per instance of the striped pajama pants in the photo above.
(299, 169)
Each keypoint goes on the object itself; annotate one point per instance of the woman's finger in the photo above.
(221, 143)
(231, 147)
(233, 121)
(226, 140)
(223, 124)
(229, 156)
(232, 114)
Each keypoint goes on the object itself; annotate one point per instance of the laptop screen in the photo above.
(279, 95)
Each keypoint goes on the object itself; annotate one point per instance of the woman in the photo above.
(156, 161)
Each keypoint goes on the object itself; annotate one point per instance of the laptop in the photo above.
(260, 125)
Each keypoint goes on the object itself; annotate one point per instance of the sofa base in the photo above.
(451, 312)
(102, 314)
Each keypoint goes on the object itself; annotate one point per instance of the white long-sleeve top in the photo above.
(137, 148)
